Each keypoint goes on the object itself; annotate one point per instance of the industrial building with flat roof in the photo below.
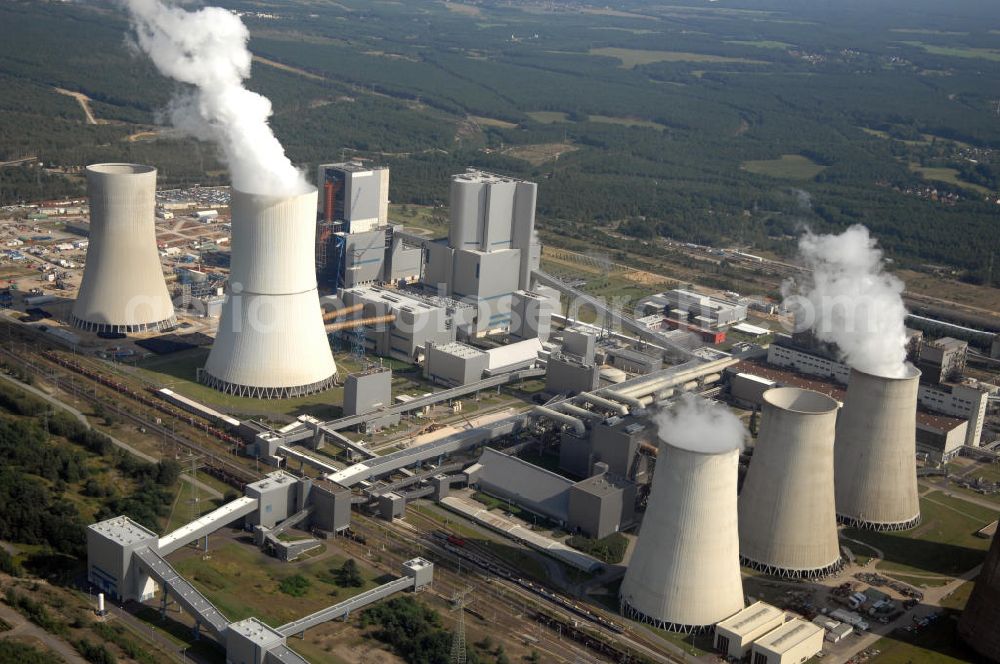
(704, 311)
(734, 635)
(417, 320)
(794, 642)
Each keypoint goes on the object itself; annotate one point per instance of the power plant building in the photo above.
(958, 400)
(454, 363)
(788, 523)
(875, 452)
(416, 320)
(684, 574)
(123, 289)
(355, 244)
(491, 250)
(271, 341)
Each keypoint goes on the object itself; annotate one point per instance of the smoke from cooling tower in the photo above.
(849, 300)
(699, 425)
(207, 49)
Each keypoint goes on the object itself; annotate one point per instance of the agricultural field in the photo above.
(787, 166)
(631, 58)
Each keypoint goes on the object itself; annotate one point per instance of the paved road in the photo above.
(77, 414)
(21, 627)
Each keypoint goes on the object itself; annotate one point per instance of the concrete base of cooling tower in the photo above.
(639, 616)
(861, 524)
(785, 573)
(263, 392)
(134, 328)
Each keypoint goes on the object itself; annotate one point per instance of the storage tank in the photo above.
(684, 574)
(979, 625)
(271, 341)
(875, 472)
(788, 523)
(123, 289)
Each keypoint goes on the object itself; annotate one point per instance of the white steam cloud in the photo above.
(849, 300)
(207, 49)
(700, 425)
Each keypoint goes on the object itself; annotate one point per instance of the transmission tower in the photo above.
(458, 602)
(358, 343)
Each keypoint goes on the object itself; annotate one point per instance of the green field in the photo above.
(242, 582)
(788, 167)
(631, 58)
(548, 117)
(763, 43)
(958, 52)
(948, 176)
(627, 122)
(178, 371)
(936, 644)
(944, 543)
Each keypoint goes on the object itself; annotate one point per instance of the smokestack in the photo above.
(875, 452)
(788, 523)
(271, 341)
(684, 574)
(979, 623)
(123, 289)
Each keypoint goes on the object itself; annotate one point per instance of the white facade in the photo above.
(271, 341)
(792, 643)
(685, 572)
(123, 289)
(875, 452)
(962, 401)
(788, 523)
(734, 635)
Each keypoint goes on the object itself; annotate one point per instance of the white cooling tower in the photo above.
(788, 523)
(271, 341)
(684, 574)
(123, 288)
(875, 452)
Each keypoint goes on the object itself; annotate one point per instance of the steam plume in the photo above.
(849, 300)
(207, 49)
(700, 425)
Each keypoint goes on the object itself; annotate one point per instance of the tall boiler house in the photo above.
(271, 341)
(788, 523)
(875, 471)
(123, 289)
(684, 574)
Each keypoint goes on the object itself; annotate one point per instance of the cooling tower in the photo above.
(123, 288)
(271, 341)
(684, 574)
(875, 452)
(788, 524)
(979, 623)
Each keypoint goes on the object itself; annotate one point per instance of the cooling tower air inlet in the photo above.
(123, 290)
(684, 574)
(875, 452)
(271, 341)
(979, 621)
(788, 523)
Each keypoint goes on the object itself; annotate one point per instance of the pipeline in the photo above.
(576, 411)
(358, 322)
(601, 402)
(578, 426)
(338, 313)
